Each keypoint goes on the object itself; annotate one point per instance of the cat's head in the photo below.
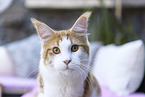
(64, 50)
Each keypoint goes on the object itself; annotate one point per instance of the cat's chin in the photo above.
(68, 71)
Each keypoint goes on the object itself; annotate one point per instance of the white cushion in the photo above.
(120, 68)
(6, 64)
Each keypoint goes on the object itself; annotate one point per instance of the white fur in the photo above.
(6, 64)
(61, 80)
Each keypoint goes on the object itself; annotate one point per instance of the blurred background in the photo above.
(112, 21)
(123, 16)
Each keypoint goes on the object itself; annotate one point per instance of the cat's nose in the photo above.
(67, 62)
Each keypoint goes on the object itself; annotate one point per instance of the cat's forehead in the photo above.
(62, 37)
(68, 37)
(65, 42)
(63, 33)
(65, 38)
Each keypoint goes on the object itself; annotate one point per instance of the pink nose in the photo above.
(67, 62)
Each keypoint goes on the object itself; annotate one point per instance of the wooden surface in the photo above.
(66, 4)
(0, 90)
(75, 4)
(133, 3)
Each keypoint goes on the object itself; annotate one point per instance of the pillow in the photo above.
(120, 68)
(6, 64)
(26, 55)
(107, 93)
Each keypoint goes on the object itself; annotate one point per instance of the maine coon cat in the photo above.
(65, 61)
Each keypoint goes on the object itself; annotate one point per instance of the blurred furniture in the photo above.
(0, 90)
(26, 59)
(105, 93)
(14, 86)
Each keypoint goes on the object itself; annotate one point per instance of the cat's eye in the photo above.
(74, 48)
(56, 50)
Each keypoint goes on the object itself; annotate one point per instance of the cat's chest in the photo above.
(56, 84)
(63, 90)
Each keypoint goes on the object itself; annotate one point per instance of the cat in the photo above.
(65, 61)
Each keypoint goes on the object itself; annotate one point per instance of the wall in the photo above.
(15, 21)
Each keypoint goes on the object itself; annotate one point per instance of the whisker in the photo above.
(88, 80)
(84, 73)
(31, 78)
(31, 73)
(86, 60)
(81, 74)
(90, 70)
(87, 68)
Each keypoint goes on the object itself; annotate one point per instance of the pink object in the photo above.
(105, 93)
(108, 93)
(15, 85)
(32, 93)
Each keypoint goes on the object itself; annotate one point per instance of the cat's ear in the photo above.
(80, 26)
(45, 32)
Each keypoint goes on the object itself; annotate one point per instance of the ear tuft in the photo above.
(81, 24)
(35, 22)
(87, 15)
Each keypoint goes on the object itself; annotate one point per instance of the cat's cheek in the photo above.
(63, 67)
(83, 56)
(76, 61)
(58, 64)
(77, 54)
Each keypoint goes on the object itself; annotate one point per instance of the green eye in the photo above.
(74, 48)
(56, 50)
